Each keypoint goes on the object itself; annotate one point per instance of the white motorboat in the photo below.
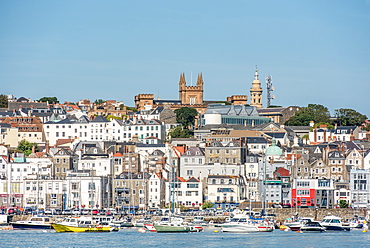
(244, 224)
(334, 223)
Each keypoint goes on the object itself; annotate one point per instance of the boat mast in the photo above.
(9, 181)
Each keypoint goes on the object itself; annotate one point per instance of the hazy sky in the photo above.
(316, 51)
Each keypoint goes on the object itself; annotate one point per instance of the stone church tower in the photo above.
(256, 91)
(191, 95)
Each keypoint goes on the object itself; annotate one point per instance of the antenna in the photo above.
(269, 89)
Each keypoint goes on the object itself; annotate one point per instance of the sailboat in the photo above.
(172, 223)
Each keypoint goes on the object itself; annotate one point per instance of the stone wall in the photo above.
(318, 214)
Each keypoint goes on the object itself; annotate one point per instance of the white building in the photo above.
(188, 193)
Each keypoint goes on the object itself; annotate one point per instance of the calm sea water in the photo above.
(208, 238)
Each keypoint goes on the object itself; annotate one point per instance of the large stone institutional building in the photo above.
(192, 96)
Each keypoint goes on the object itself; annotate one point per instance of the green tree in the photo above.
(305, 137)
(207, 204)
(186, 117)
(313, 112)
(49, 99)
(226, 102)
(349, 117)
(328, 125)
(3, 101)
(180, 132)
(131, 109)
(110, 117)
(26, 147)
(343, 204)
(99, 101)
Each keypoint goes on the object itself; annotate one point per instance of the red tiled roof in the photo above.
(118, 154)
(181, 179)
(289, 156)
(283, 172)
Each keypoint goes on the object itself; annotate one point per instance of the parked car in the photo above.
(66, 212)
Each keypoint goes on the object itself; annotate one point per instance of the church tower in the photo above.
(256, 91)
(192, 95)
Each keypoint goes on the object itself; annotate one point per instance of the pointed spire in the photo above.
(182, 79)
(256, 74)
(200, 80)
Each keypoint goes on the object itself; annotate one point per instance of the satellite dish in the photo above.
(272, 88)
(273, 97)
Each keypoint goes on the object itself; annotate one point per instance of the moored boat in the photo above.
(334, 223)
(81, 224)
(239, 224)
(171, 224)
(312, 226)
(34, 222)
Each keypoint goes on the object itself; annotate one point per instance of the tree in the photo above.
(207, 204)
(306, 137)
(180, 132)
(26, 147)
(99, 101)
(349, 117)
(225, 102)
(343, 204)
(313, 112)
(186, 117)
(328, 125)
(110, 117)
(49, 99)
(131, 109)
(3, 101)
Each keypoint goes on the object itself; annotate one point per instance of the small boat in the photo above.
(81, 224)
(142, 221)
(171, 224)
(297, 224)
(240, 223)
(150, 227)
(123, 223)
(34, 222)
(312, 226)
(334, 223)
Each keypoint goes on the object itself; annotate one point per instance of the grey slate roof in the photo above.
(100, 118)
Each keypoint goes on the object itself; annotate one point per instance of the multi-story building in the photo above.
(84, 189)
(130, 191)
(225, 191)
(67, 129)
(156, 191)
(313, 193)
(29, 128)
(360, 188)
(188, 193)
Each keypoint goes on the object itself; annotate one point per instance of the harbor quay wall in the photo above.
(281, 214)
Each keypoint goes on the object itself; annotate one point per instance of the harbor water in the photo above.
(208, 238)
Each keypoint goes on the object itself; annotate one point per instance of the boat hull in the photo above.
(337, 228)
(313, 230)
(64, 228)
(31, 226)
(170, 229)
(239, 228)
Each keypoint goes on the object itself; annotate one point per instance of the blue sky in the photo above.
(316, 51)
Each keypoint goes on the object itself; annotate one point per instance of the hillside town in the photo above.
(104, 154)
